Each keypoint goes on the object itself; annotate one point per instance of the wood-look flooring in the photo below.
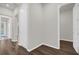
(66, 48)
(9, 49)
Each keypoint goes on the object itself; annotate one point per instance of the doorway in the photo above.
(5, 27)
(66, 27)
(5, 33)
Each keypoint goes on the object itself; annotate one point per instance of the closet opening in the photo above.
(66, 27)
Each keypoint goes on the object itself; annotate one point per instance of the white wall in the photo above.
(30, 26)
(66, 25)
(15, 22)
(23, 25)
(35, 26)
(51, 25)
(43, 25)
(14, 29)
(38, 25)
(76, 27)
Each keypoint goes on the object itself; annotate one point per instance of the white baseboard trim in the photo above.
(23, 46)
(76, 49)
(67, 40)
(52, 46)
(29, 50)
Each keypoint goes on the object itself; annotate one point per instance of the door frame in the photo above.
(9, 25)
(59, 6)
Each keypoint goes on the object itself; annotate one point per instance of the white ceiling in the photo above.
(43, 4)
(10, 6)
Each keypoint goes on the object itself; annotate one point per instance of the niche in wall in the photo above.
(66, 22)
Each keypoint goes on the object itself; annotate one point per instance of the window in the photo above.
(4, 26)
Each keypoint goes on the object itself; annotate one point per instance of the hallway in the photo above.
(34, 24)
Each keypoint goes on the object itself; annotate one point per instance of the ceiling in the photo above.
(43, 4)
(10, 6)
(67, 7)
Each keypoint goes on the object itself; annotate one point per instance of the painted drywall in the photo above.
(43, 25)
(14, 29)
(23, 25)
(38, 25)
(30, 26)
(35, 26)
(76, 28)
(15, 23)
(51, 25)
(66, 25)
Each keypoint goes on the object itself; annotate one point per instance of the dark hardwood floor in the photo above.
(66, 48)
(9, 49)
